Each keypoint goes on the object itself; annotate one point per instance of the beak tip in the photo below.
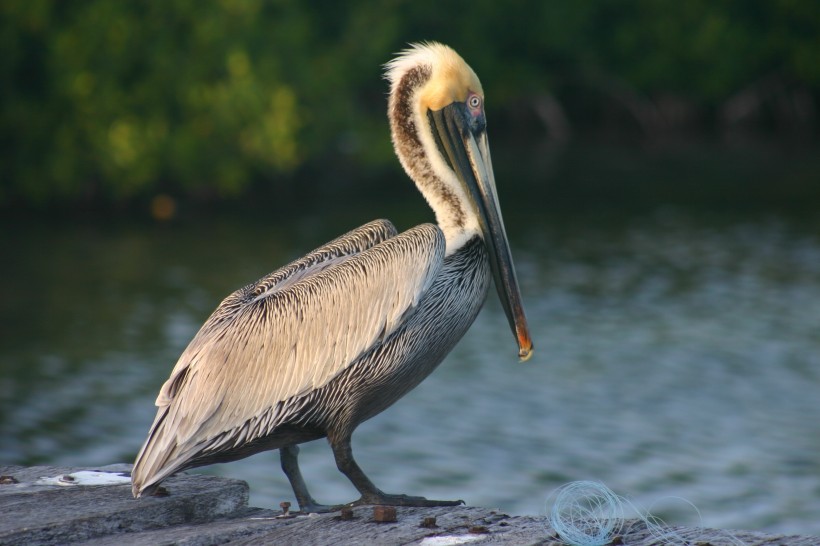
(525, 351)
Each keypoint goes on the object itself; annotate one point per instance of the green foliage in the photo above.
(127, 96)
(116, 101)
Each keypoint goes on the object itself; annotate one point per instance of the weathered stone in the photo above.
(31, 513)
(203, 510)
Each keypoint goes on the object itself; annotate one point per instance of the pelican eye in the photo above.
(474, 101)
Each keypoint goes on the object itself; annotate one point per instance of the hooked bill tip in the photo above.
(524, 349)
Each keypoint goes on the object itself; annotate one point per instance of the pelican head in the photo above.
(439, 132)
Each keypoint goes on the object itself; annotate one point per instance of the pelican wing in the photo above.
(283, 337)
(229, 311)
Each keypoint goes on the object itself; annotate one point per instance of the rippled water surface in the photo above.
(678, 357)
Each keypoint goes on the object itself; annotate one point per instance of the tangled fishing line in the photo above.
(588, 513)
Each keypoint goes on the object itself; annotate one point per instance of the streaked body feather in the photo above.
(315, 347)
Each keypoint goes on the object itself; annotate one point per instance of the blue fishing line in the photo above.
(588, 513)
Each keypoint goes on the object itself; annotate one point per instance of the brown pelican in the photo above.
(336, 337)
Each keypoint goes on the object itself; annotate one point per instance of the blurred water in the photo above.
(677, 356)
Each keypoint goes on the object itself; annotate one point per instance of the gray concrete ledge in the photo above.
(204, 510)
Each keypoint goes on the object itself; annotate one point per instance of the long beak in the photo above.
(463, 140)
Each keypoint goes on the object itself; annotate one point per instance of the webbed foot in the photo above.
(316, 508)
(401, 500)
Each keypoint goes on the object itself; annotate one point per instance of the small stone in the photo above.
(346, 513)
(7, 480)
(429, 523)
(616, 540)
(479, 530)
(161, 492)
(384, 514)
(285, 506)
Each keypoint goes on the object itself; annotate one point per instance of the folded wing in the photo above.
(286, 335)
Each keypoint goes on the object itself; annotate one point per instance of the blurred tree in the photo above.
(112, 101)
(122, 98)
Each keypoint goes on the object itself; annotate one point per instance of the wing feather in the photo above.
(317, 260)
(289, 333)
(297, 339)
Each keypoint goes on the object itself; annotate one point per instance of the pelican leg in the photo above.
(289, 456)
(370, 493)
